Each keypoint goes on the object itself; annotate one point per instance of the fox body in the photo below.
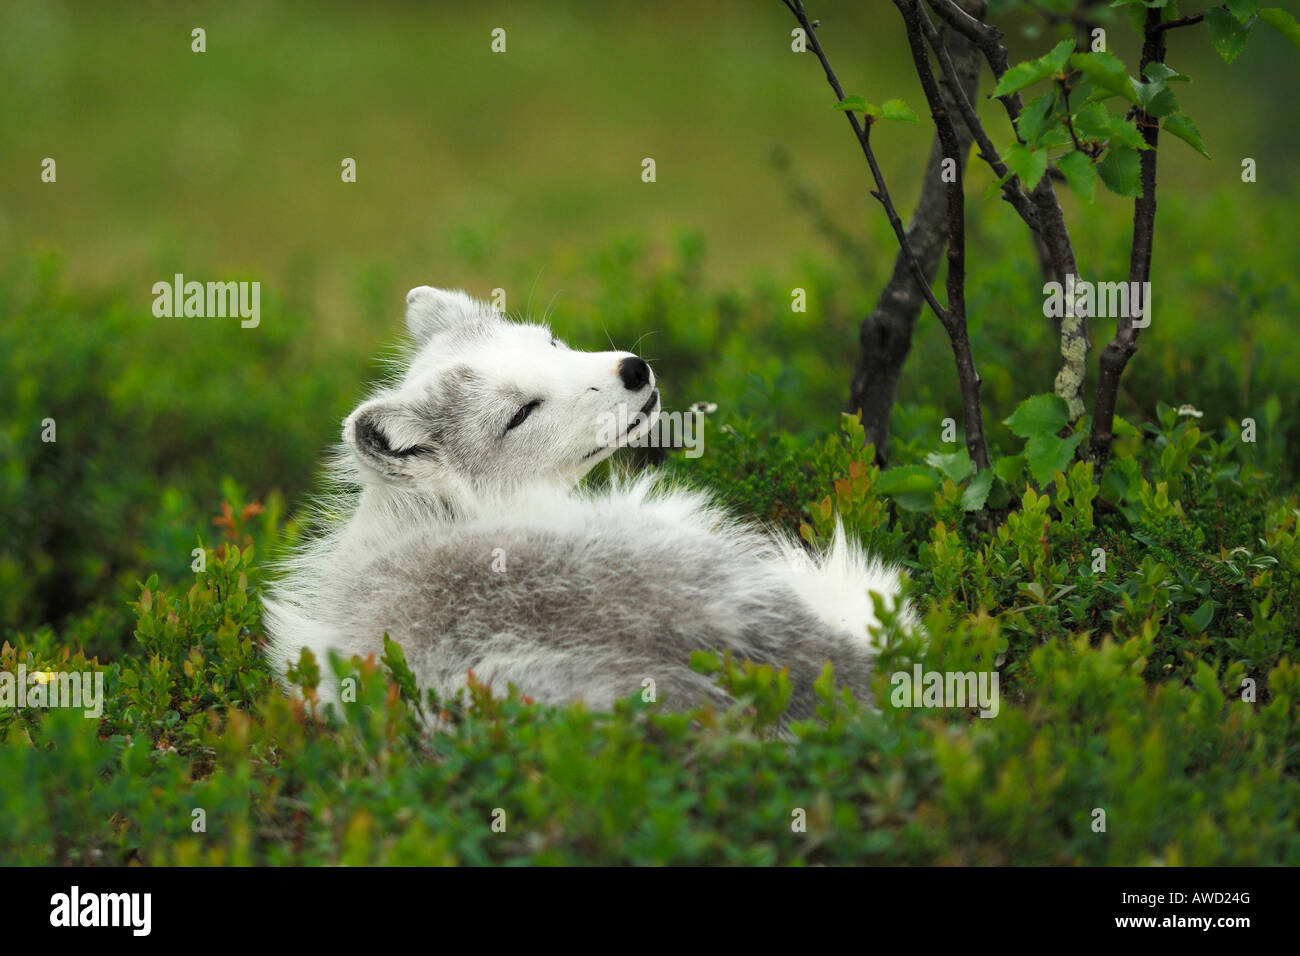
(463, 537)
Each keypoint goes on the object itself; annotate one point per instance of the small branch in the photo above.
(1011, 190)
(885, 337)
(989, 40)
(881, 192)
(1056, 234)
(1116, 354)
(1187, 21)
(1069, 123)
(955, 319)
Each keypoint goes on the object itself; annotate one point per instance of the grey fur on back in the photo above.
(570, 610)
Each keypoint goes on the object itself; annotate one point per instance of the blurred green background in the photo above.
(486, 170)
(522, 171)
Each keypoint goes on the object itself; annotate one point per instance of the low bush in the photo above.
(1147, 711)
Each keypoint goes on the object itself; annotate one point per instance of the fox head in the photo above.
(490, 405)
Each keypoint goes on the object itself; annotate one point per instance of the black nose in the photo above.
(634, 372)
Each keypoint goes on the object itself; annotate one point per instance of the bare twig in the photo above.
(1069, 123)
(954, 320)
(881, 192)
(1186, 21)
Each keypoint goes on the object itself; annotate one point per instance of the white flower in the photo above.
(1189, 411)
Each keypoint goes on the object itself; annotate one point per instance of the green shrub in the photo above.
(149, 415)
(1117, 696)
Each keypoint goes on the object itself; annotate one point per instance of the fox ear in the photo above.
(388, 437)
(430, 311)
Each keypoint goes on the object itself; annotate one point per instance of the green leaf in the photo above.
(1121, 171)
(1166, 415)
(1163, 104)
(1098, 95)
(1105, 71)
(1182, 126)
(1124, 132)
(857, 104)
(1008, 468)
(1120, 427)
(1056, 59)
(897, 110)
(1048, 454)
(1020, 76)
(1227, 33)
(955, 465)
(996, 186)
(1137, 16)
(1198, 622)
(1093, 122)
(1029, 165)
(1037, 117)
(1115, 485)
(1283, 22)
(1054, 138)
(1039, 415)
(1157, 99)
(915, 501)
(1080, 92)
(1243, 10)
(911, 486)
(908, 478)
(1163, 71)
(705, 662)
(977, 492)
(999, 497)
(394, 658)
(1031, 71)
(1080, 174)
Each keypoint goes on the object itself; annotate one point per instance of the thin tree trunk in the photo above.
(885, 337)
(1073, 328)
(1115, 356)
(954, 318)
(1049, 221)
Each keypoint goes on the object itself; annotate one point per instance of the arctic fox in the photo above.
(463, 538)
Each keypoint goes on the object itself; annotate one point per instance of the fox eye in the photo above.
(555, 344)
(522, 414)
